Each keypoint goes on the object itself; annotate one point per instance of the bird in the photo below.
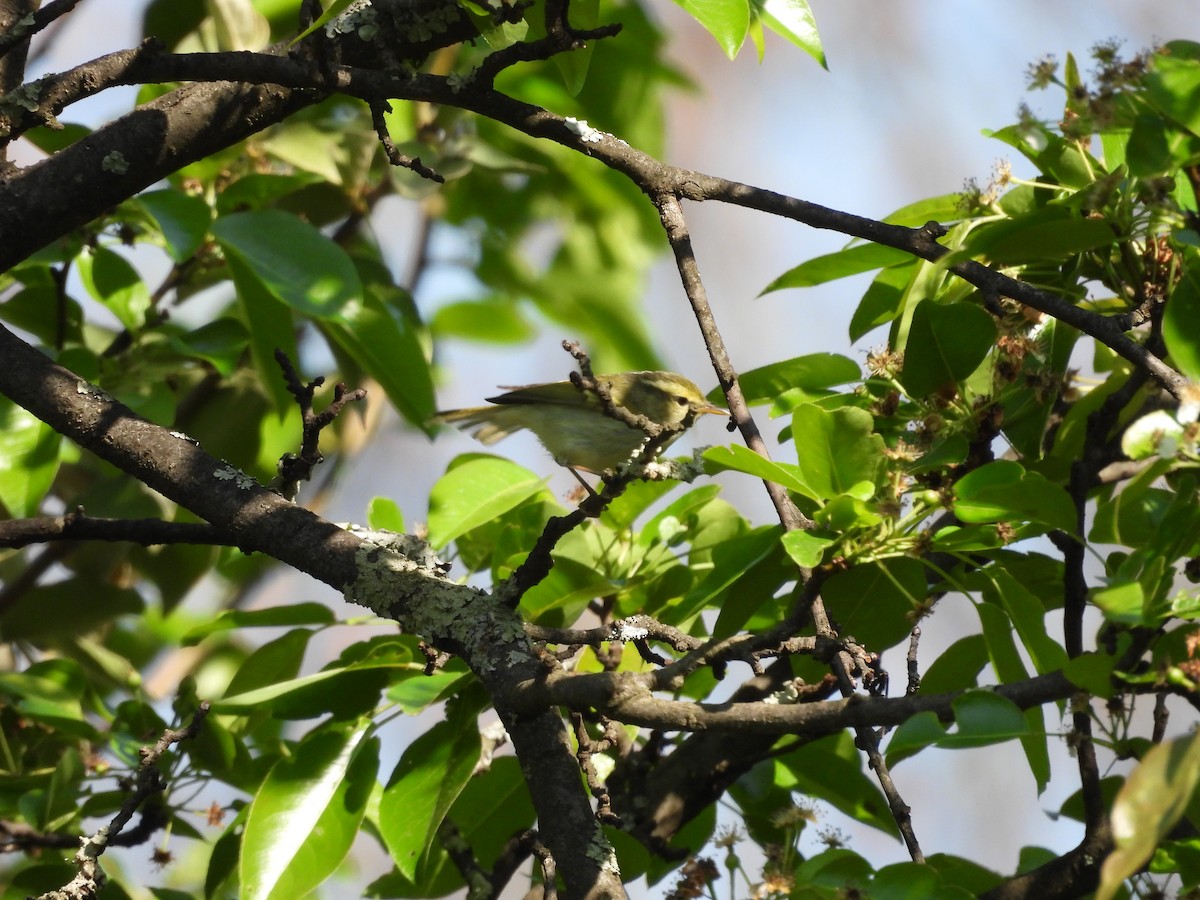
(571, 422)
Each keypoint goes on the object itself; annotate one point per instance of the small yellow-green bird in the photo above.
(571, 422)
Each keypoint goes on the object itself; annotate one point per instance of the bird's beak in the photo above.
(709, 408)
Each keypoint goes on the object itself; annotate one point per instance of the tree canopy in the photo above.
(203, 324)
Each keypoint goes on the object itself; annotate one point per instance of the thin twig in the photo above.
(379, 109)
(91, 877)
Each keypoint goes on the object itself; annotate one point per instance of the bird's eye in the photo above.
(681, 401)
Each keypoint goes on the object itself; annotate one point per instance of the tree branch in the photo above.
(76, 526)
(401, 580)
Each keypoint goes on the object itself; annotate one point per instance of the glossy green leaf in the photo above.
(831, 770)
(914, 734)
(43, 311)
(51, 693)
(1055, 232)
(384, 513)
(221, 342)
(836, 449)
(421, 691)
(725, 20)
(183, 219)
(389, 351)
(1179, 320)
(942, 208)
(112, 280)
(78, 605)
(305, 816)
(842, 264)
(271, 328)
(792, 20)
(274, 616)
(1029, 616)
(814, 372)
(1123, 602)
(958, 667)
(805, 548)
(431, 773)
(1003, 491)
(1092, 672)
(875, 601)
(884, 299)
(742, 459)
(573, 66)
(732, 559)
(292, 260)
(984, 717)
(341, 691)
(1148, 806)
(946, 343)
(491, 321)
(1009, 667)
(29, 459)
(1172, 85)
(475, 490)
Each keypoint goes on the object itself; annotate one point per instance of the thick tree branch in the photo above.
(406, 586)
(629, 697)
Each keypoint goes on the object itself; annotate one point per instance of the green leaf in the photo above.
(1092, 672)
(1009, 668)
(805, 548)
(958, 667)
(271, 328)
(342, 691)
(492, 321)
(1055, 232)
(476, 489)
(1123, 602)
(72, 606)
(1172, 85)
(943, 208)
(1029, 616)
(183, 219)
(725, 20)
(792, 20)
(1148, 806)
(874, 601)
(914, 734)
(836, 449)
(421, 691)
(742, 459)
(731, 560)
(275, 616)
(573, 66)
(384, 513)
(946, 343)
(305, 816)
(221, 342)
(884, 299)
(389, 351)
(814, 372)
(831, 769)
(112, 279)
(984, 717)
(1003, 491)
(29, 459)
(431, 774)
(1179, 320)
(842, 264)
(292, 260)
